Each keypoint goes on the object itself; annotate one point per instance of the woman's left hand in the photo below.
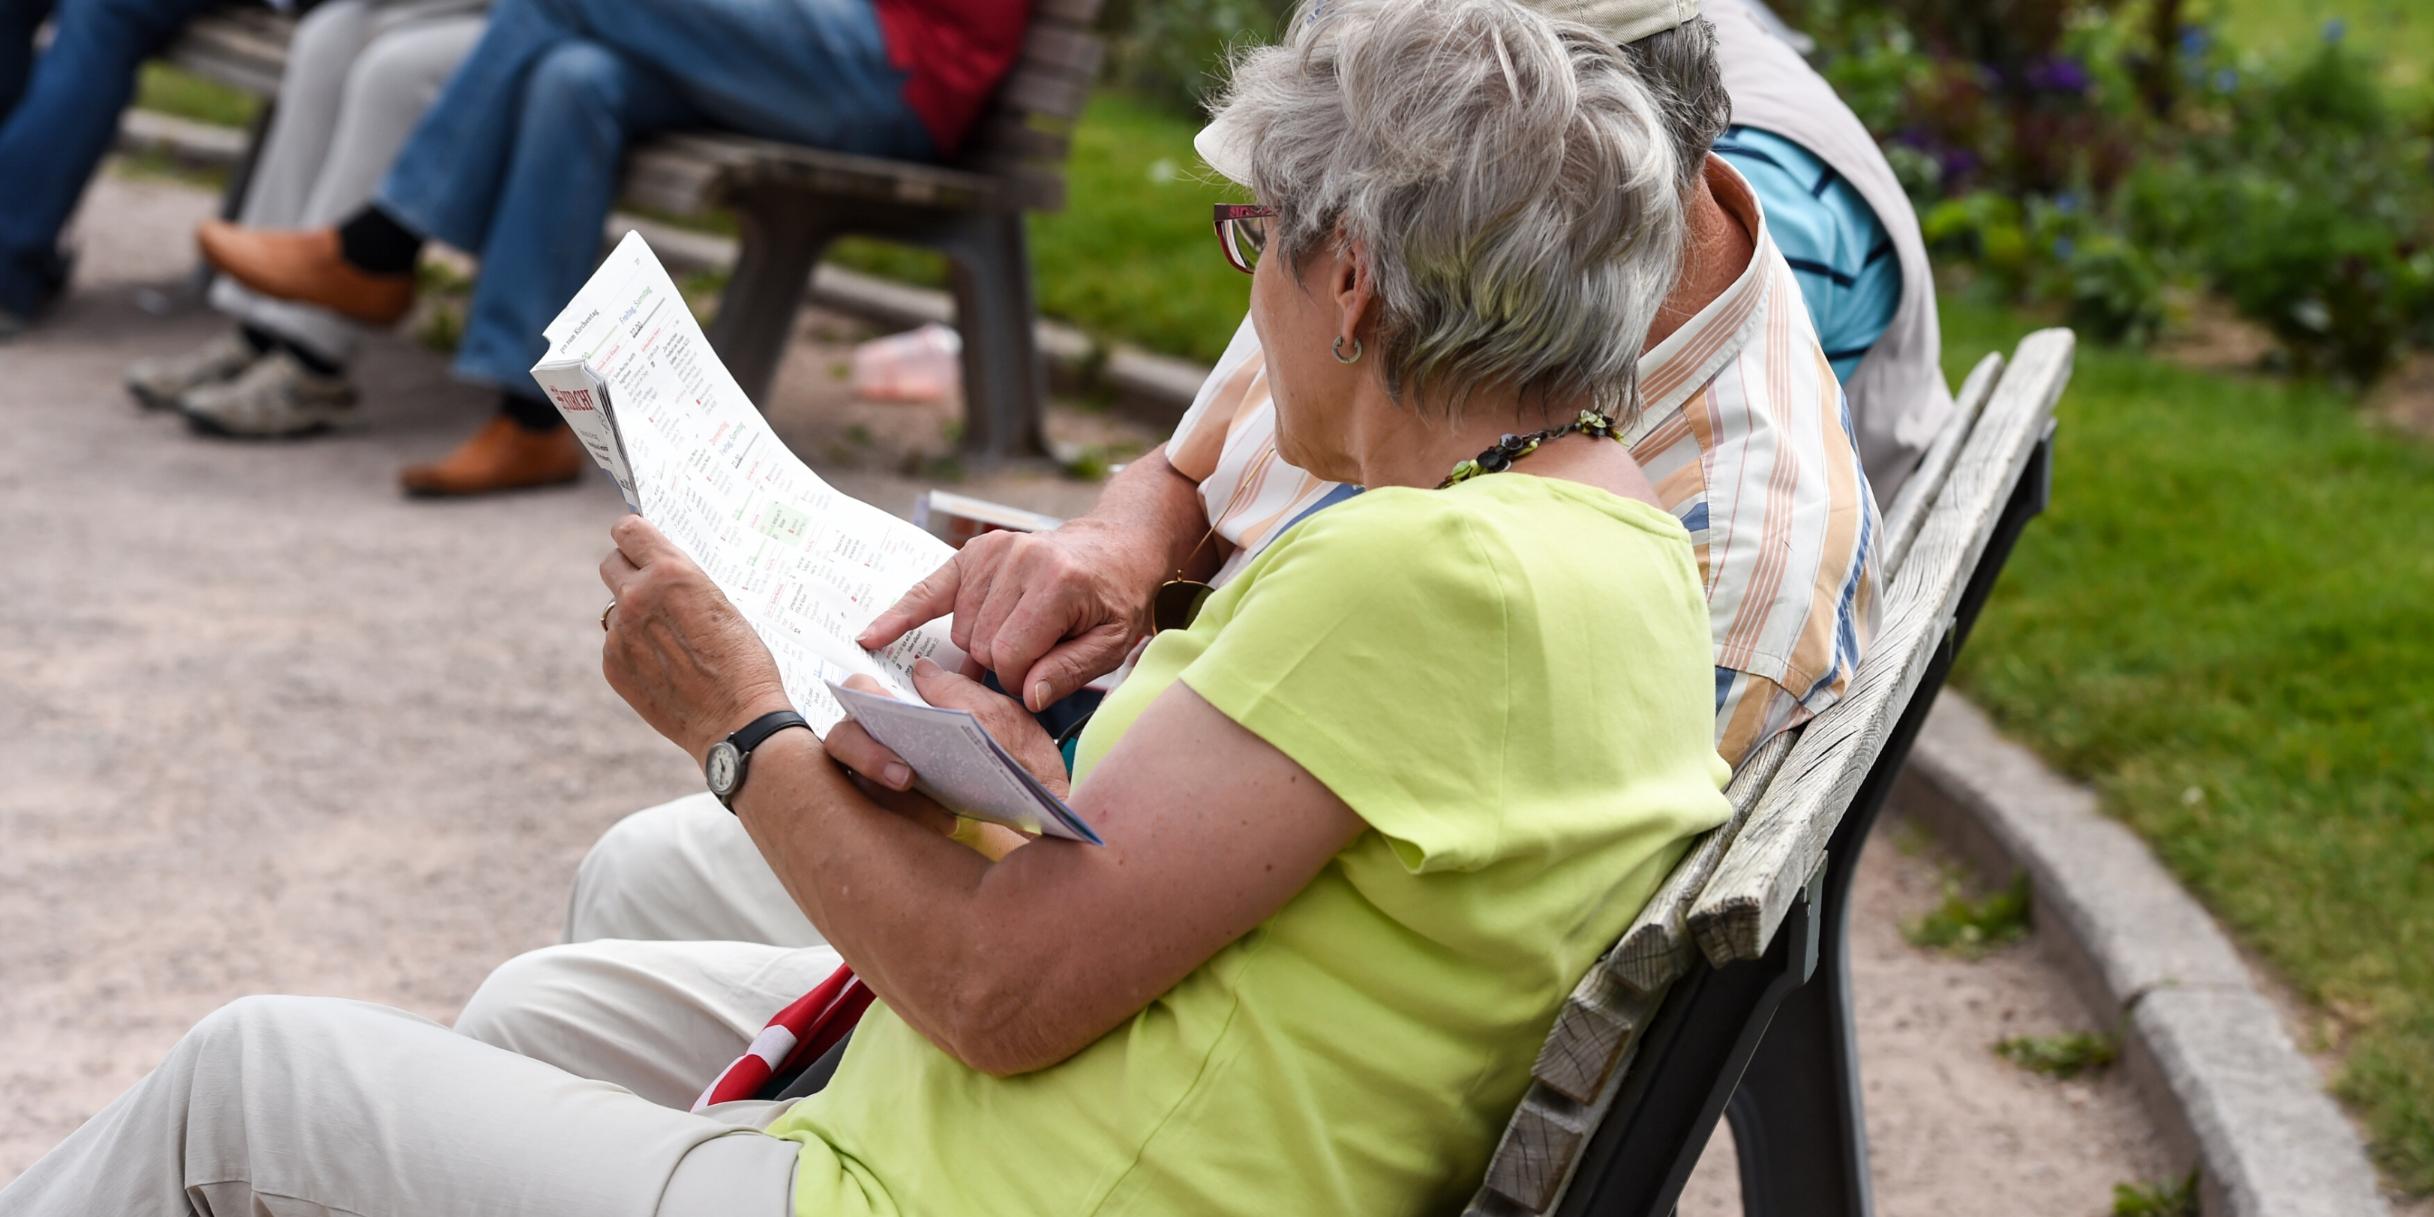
(677, 651)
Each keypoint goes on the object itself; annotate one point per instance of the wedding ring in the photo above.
(612, 607)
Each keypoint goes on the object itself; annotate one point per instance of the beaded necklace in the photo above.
(1514, 447)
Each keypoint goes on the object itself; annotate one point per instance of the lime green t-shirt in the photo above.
(1510, 681)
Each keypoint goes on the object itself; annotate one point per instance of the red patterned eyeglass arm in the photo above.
(1227, 213)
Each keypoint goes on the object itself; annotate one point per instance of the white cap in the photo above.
(1227, 150)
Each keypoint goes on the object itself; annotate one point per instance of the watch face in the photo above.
(721, 767)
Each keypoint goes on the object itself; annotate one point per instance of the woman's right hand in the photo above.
(1047, 612)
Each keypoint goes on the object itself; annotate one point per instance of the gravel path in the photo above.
(266, 726)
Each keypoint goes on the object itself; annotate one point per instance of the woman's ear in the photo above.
(1355, 292)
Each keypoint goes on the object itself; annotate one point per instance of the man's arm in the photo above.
(1050, 612)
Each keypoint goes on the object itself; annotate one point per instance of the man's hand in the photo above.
(1048, 612)
(1014, 730)
(677, 651)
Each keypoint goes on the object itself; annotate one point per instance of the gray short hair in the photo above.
(1509, 176)
(1680, 67)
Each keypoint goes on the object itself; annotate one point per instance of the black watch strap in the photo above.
(750, 735)
(738, 749)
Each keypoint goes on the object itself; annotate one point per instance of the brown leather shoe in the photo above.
(305, 267)
(503, 455)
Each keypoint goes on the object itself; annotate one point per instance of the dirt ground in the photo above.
(266, 726)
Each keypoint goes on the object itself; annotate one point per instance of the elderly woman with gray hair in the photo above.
(1368, 815)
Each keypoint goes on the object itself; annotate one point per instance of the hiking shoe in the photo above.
(275, 398)
(159, 382)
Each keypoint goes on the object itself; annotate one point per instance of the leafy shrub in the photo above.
(2098, 163)
(1173, 51)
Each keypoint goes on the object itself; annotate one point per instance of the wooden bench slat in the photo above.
(1067, 12)
(1909, 509)
(1658, 947)
(1784, 841)
(1055, 96)
(213, 63)
(1063, 52)
(1536, 1154)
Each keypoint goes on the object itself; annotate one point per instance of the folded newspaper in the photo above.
(808, 566)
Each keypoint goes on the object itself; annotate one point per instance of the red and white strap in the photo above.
(800, 1033)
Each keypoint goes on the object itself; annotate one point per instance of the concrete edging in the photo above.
(2206, 1049)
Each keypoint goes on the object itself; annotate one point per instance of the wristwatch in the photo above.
(730, 757)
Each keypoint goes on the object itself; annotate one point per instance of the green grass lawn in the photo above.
(2400, 32)
(2222, 624)
(1131, 257)
(186, 95)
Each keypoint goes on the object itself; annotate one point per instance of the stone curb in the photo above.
(2206, 1049)
(1153, 388)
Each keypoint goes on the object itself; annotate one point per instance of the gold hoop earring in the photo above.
(1341, 357)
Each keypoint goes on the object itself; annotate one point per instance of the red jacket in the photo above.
(954, 53)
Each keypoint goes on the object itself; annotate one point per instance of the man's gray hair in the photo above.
(1680, 67)
(1509, 176)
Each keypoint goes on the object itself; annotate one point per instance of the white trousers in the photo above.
(683, 871)
(359, 75)
(562, 1090)
(286, 1106)
(681, 945)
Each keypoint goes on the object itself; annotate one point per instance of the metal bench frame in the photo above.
(791, 202)
(1730, 998)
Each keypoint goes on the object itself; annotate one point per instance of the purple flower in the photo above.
(2195, 41)
(2058, 74)
(2064, 247)
(2335, 30)
(2227, 80)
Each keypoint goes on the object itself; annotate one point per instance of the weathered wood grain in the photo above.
(1656, 950)
(1784, 841)
(1540, 1146)
(1598, 1022)
(1909, 509)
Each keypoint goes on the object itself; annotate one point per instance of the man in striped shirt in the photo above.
(1743, 426)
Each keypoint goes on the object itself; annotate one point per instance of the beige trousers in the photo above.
(681, 944)
(284, 1106)
(684, 871)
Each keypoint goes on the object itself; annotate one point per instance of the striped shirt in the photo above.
(1746, 435)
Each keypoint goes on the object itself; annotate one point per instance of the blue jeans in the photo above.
(518, 159)
(58, 117)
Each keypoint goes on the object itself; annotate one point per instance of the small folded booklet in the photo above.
(807, 565)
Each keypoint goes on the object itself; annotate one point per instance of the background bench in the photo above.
(1730, 997)
(791, 202)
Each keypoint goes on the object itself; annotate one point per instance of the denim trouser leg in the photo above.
(581, 103)
(55, 136)
(18, 21)
(530, 192)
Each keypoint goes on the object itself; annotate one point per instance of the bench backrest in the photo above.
(243, 47)
(1024, 136)
(1021, 140)
(1729, 895)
